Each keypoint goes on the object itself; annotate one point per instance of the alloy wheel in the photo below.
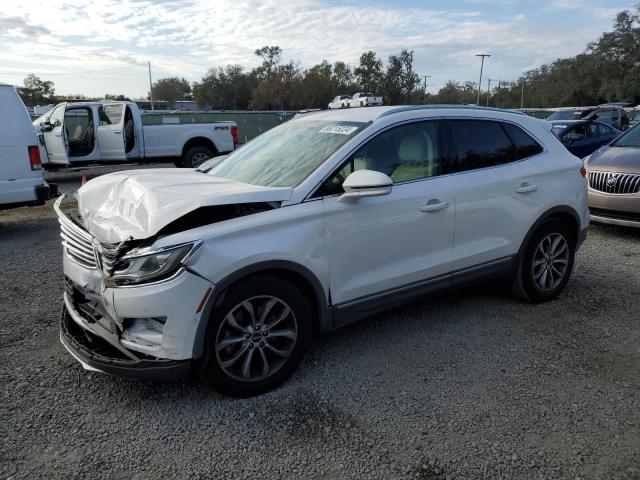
(551, 261)
(198, 159)
(256, 338)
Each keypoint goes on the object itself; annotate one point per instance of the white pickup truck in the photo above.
(364, 99)
(103, 132)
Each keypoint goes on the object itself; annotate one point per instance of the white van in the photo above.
(21, 180)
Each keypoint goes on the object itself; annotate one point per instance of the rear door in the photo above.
(495, 192)
(111, 139)
(55, 136)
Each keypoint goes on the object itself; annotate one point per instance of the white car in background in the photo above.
(104, 132)
(21, 180)
(364, 99)
(323, 220)
(340, 101)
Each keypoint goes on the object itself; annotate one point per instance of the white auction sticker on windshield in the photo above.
(340, 129)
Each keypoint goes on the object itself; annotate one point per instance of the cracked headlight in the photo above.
(146, 265)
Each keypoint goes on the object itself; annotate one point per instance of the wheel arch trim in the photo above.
(545, 216)
(323, 320)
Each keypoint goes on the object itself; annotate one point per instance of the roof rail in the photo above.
(407, 108)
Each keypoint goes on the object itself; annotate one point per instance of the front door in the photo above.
(111, 138)
(55, 139)
(380, 244)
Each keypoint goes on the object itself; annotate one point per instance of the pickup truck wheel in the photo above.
(257, 337)
(196, 156)
(546, 263)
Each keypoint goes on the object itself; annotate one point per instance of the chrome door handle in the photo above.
(526, 188)
(116, 132)
(434, 207)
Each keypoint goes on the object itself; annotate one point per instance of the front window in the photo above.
(631, 138)
(405, 153)
(286, 155)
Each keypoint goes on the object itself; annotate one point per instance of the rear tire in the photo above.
(257, 337)
(546, 263)
(196, 156)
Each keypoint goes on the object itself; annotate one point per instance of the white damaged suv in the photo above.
(325, 219)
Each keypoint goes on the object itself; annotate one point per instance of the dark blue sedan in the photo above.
(583, 137)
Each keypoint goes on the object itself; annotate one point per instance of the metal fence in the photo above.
(250, 124)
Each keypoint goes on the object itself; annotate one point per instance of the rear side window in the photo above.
(525, 145)
(110, 114)
(481, 144)
(604, 130)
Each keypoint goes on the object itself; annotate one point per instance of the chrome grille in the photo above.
(76, 242)
(615, 183)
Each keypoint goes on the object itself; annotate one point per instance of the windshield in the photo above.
(565, 115)
(287, 154)
(631, 138)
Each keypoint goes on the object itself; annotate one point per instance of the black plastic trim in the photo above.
(156, 369)
(580, 236)
(325, 320)
(359, 308)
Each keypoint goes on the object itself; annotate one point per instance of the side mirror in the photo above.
(365, 183)
(47, 126)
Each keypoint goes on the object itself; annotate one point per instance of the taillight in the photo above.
(234, 134)
(34, 157)
(583, 171)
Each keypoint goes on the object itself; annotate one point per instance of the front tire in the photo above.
(545, 265)
(257, 337)
(196, 156)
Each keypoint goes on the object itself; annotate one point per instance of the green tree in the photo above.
(171, 89)
(343, 79)
(116, 97)
(228, 87)
(317, 86)
(369, 72)
(37, 91)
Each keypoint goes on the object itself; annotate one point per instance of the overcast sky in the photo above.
(186, 37)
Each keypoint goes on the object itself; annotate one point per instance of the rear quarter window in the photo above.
(525, 145)
(481, 144)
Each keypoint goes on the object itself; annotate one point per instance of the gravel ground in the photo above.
(472, 385)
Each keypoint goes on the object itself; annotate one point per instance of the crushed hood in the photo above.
(137, 204)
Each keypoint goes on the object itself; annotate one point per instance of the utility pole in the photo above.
(488, 90)
(522, 95)
(482, 57)
(150, 86)
(424, 89)
(425, 82)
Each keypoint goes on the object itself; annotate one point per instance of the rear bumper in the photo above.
(99, 355)
(41, 192)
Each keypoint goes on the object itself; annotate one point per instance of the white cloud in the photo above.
(186, 37)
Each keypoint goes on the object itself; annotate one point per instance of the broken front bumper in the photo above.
(89, 344)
